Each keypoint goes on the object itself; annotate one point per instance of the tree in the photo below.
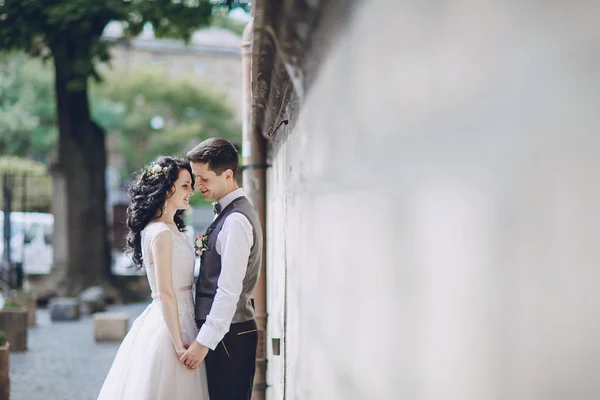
(69, 32)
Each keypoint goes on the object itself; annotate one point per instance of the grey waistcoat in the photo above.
(210, 269)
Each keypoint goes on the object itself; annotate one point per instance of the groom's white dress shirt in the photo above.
(233, 245)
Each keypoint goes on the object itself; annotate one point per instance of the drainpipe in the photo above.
(253, 175)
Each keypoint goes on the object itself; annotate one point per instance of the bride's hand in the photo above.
(180, 350)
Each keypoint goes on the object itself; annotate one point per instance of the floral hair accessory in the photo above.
(153, 170)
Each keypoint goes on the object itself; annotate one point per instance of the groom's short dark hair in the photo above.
(218, 153)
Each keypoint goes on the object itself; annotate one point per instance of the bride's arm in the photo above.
(162, 254)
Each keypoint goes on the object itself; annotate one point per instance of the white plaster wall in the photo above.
(433, 218)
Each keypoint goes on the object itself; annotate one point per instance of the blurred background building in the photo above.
(212, 57)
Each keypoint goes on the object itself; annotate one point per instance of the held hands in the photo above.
(180, 350)
(194, 355)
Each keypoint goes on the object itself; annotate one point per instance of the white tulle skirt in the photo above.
(146, 366)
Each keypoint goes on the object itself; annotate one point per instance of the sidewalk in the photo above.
(63, 362)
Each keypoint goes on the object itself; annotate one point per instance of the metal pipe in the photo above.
(253, 176)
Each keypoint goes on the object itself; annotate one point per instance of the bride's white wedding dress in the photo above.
(146, 366)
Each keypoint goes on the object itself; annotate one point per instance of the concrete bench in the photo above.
(64, 309)
(92, 300)
(110, 327)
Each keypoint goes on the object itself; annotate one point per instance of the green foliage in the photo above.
(190, 113)
(198, 200)
(122, 104)
(29, 177)
(12, 305)
(22, 166)
(2, 338)
(70, 30)
(230, 5)
(27, 108)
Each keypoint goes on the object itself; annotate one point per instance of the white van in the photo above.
(31, 241)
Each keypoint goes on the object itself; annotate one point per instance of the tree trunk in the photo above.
(81, 162)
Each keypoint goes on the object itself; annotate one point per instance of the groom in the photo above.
(229, 271)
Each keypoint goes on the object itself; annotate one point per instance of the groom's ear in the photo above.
(228, 174)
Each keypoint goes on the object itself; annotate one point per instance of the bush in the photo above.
(22, 166)
(30, 181)
(12, 304)
(2, 338)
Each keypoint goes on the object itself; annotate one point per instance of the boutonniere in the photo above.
(201, 242)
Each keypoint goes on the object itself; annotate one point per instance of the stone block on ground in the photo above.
(92, 300)
(111, 327)
(64, 309)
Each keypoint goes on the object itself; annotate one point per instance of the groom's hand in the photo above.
(194, 355)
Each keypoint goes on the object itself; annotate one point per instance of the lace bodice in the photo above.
(182, 272)
(183, 257)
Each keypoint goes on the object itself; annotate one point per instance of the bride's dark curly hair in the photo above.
(147, 196)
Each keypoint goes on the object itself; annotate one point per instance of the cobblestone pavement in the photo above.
(63, 362)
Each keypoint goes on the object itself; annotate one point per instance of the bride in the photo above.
(147, 364)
